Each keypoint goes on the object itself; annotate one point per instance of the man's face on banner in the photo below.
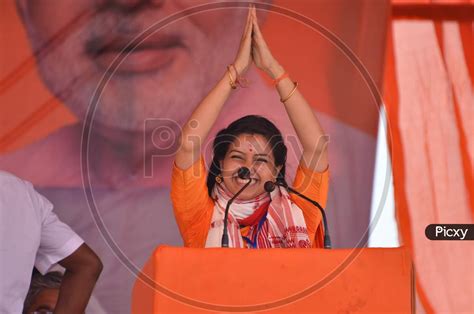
(165, 76)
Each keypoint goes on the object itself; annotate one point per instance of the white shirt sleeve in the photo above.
(57, 240)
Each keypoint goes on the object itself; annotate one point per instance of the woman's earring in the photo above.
(219, 178)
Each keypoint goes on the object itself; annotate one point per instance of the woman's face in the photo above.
(254, 152)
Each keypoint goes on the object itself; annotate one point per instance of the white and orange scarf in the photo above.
(274, 221)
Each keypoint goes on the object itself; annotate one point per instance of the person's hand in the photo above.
(244, 55)
(261, 54)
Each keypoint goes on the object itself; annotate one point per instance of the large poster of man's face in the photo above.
(128, 73)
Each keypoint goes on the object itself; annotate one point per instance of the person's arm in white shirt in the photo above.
(59, 244)
(83, 268)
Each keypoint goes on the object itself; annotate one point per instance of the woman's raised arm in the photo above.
(308, 129)
(197, 128)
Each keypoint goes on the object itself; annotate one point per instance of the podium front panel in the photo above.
(185, 280)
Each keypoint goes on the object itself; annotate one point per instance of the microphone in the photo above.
(243, 173)
(269, 186)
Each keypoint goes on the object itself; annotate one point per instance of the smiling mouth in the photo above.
(132, 55)
(240, 181)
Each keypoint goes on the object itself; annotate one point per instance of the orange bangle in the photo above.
(278, 79)
(283, 100)
(231, 79)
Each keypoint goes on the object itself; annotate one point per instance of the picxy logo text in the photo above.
(450, 232)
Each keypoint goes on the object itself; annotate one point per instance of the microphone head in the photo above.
(244, 173)
(269, 186)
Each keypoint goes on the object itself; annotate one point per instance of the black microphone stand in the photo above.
(243, 174)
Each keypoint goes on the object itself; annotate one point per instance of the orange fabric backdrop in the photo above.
(430, 102)
(430, 2)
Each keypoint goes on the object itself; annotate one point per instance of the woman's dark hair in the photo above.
(251, 124)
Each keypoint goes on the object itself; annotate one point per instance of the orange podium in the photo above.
(187, 280)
